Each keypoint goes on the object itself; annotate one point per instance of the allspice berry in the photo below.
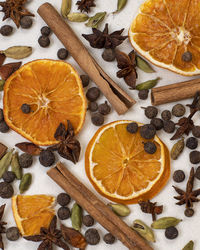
(143, 94)
(93, 94)
(150, 112)
(178, 110)
(92, 106)
(47, 158)
(62, 54)
(196, 131)
(6, 30)
(104, 108)
(44, 41)
(166, 115)
(85, 80)
(97, 119)
(26, 22)
(108, 55)
(195, 157)
(3, 127)
(45, 31)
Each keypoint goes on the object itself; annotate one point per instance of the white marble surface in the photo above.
(189, 228)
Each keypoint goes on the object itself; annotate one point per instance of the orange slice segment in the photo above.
(119, 168)
(163, 30)
(53, 90)
(31, 212)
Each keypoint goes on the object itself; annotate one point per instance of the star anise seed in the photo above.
(85, 5)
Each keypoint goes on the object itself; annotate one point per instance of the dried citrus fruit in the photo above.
(31, 212)
(54, 92)
(120, 169)
(167, 33)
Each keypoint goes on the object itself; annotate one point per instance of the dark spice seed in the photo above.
(108, 55)
(63, 199)
(150, 147)
(166, 115)
(1, 115)
(97, 119)
(92, 236)
(148, 131)
(64, 213)
(6, 30)
(12, 233)
(171, 233)
(26, 22)
(25, 160)
(151, 112)
(179, 176)
(178, 110)
(197, 173)
(132, 127)
(169, 126)
(44, 41)
(8, 176)
(195, 157)
(92, 106)
(158, 123)
(191, 143)
(93, 94)
(25, 108)
(109, 238)
(62, 54)
(143, 94)
(47, 158)
(85, 80)
(104, 108)
(189, 212)
(6, 190)
(3, 127)
(88, 221)
(187, 56)
(45, 31)
(196, 131)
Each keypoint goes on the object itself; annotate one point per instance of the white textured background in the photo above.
(189, 228)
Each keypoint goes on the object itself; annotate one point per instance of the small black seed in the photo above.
(88, 221)
(64, 213)
(108, 55)
(178, 110)
(44, 41)
(47, 158)
(92, 106)
(104, 108)
(45, 31)
(92, 236)
(158, 123)
(189, 212)
(148, 131)
(151, 112)
(1, 115)
(6, 30)
(25, 160)
(132, 127)
(179, 176)
(12, 233)
(197, 173)
(143, 94)
(3, 127)
(93, 94)
(191, 143)
(171, 233)
(85, 80)
(195, 157)
(187, 56)
(6, 190)
(166, 115)
(97, 119)
(25, 108)
(169, 126)
(8, 176)
(26, 22)
(109, 238)
(150, 147)
(63, 199)
(62, 54)
(196, 131)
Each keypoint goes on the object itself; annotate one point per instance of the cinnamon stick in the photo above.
(119, 99)
(96, 208)
(174, 92)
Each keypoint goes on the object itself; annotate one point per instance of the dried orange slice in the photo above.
(31, 212)
(53, 90)
(120, 169)
(164, 30)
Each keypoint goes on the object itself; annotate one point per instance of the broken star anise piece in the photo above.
(101, 39)
(68, 146)
(15, 10)
(49, 236)
(127, 65)
(189, 196)
(2, 226)
(85, 5)
(151, 208)
(8, 69)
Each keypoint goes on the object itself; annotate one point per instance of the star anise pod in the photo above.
(49, 236)
(68, 146)
(150, 208)
(85, 5)
(101, 39)
(127, 65)
(15, 10)
(189, 196)
(8, 69)
(2, 226)
(196, 102)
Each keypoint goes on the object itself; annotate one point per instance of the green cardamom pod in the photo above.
(143, 65)
(165, 222)
(120, 5)
(144, 230)
(2, 82)
(120, 209)
(148, 84)
(25, 183)
(66, 7)
(16, 168)
(95, 20)
(177, 149)
(77, 17)
(189, 246)
(76, 217)
(5, 162)
(17, 52)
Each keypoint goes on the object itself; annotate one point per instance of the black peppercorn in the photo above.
(147, 131)
(197, 173)
(6, 190)
(85, 80)
(104, 108)
(150, 147)
(12, 233)
(169, 126)
(157, 122)
(189, 212)
(166, 115)
(150, 112)
(62, 54)
(64, 213)
(108, 55)
(25, 108)
(132, 127)
(93, 94)
(3, 127)
(88, 221)
(92, 106)
(63, 199)
(97, 119)
(109, 238)
(8, 176)
(44, 41)
(191, 143)
(179, 176)
(196, 131)
(45, 31)
(25, 160)
(171, 233)
(143, 94)
(92, 236)
(47, 158)
(187, 56)
(195, 157)
(6, 30)
(178, 110)
(1, 115)
(26, 22)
